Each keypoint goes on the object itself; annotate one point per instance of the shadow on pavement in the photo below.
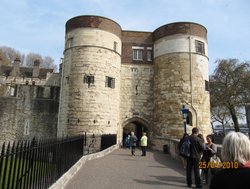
(167, 182)
(167, 161)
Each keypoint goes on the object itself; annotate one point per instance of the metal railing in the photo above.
(108, 140)
(37, 163)
(40, 163)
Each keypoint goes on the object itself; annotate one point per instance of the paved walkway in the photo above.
(120, 170)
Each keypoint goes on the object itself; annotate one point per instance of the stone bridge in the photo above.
(115, 168)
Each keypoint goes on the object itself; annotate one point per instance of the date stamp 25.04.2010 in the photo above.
(222, 165)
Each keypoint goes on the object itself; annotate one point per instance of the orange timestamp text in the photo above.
(222, 165)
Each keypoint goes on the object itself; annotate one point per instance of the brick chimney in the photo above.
(36, 68)
(16, 67)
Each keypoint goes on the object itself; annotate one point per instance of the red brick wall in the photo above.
(134, 38)
(94, 22)
(180, 28)
(139, 39)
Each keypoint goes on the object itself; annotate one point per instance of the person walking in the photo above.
(235, 154)
(127, 141)
(133, 142)
(144, 143)
(196, 149)
(209, 151)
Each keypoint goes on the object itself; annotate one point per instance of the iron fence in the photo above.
(37, 164)
(107, 140)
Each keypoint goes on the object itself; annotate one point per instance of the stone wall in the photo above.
(170, 146)
(28, 102)
(180, 76)
(91, 50)
(8, 123)
(25, 116)
(93, 108)
(137, 93)
(148, 93)
(172, 88)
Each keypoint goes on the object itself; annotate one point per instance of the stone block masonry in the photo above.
(155, 74)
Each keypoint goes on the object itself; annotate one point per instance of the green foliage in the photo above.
(229, 87)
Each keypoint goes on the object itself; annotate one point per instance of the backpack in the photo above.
(185, 147)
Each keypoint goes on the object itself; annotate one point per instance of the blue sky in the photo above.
(39, 25)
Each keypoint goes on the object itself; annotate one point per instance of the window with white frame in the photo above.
(137, 53)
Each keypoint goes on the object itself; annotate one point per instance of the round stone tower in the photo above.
(90, 87)
(181, 79)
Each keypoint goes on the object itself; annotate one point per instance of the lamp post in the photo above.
(184, 112)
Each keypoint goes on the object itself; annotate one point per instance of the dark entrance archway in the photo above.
(137, 125)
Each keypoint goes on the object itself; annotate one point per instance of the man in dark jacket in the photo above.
(196, 149)
(133, 142)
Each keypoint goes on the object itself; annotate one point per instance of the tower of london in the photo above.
(114, 81)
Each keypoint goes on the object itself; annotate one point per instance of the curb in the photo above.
(63, 180)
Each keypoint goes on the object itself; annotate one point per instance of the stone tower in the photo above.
(115, 81)
(180, 78)
(90, 88)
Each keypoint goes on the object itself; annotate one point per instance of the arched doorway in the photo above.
(137, 125)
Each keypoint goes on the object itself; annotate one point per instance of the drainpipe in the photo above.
(190, 71)
(191, 78)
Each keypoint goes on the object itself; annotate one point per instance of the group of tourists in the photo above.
(131, 142)
(200, 156)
